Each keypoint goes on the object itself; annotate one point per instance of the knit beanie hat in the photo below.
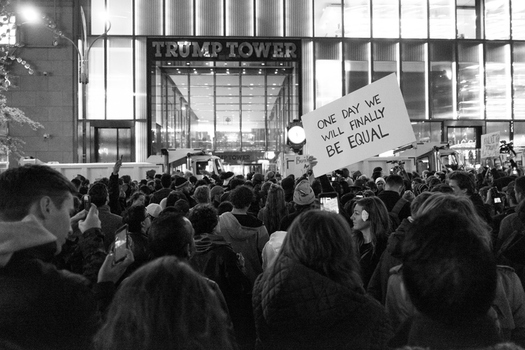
(303, 193)
(180, 181)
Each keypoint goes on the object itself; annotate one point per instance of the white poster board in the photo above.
(490, 145)
(357, 126)
(295, 164)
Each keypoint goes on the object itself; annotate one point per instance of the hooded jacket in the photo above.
(40, 306)
(249, 241)
(297, 308)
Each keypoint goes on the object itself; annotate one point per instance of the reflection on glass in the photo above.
(120, 79)
(497, 19)
(467, 22)
(385, 59)
(357, 59)
(95, 89)
(502, 127)
(121, 24)
(427, 131)
(298, 18)
(413, 82)
(519, 80)
(385, 14)
(413, 18)
(328, 17)
(442, 77)
(497, 70)
(470, 81)
(518, 20)
(357, 18)
(441, 19)
(327, 66)
(519, 134)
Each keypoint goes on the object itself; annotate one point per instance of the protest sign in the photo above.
(490, 145)
(357, 126)
(295, 164)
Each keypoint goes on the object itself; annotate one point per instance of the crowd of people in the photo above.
(403, 260)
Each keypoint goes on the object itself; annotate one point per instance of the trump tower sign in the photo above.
(357, 126)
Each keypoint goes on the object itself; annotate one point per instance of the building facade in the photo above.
(230, 75)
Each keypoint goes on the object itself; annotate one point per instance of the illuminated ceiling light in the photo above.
(30, 15)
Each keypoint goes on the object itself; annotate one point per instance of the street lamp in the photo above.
(31, 16)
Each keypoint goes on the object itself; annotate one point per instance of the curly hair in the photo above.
(203, 217)
(202, 194)
(322, 241)
(241, 197)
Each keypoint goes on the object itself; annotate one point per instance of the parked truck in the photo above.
(196, 160)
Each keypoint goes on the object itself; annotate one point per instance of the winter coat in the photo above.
(40, 306)
(508, 307)
(298, 308)
(249, 241)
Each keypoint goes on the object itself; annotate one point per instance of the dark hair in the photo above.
(173, 197)
(134, 216)
(165, 180)
(321, 241)
(169, 234)
(380, 224)
(164, 305)
(241, 197)
(394, 180)
(519, 185)
(21, 187)
(236, 182)
(99, 194)
(224, 207)
(465, 181)
(182, 206)
(203, 217)
(202, 194)
(449, 272)
(443, 188)
(275, 208)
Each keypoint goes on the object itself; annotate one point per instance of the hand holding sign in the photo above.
(357, 126)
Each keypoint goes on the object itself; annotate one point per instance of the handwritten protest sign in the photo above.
(357, 126)
(490, 145)
(296, 164)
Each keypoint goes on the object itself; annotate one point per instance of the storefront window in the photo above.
(357, 63)
(357, 18)
(497, 19)
(470, 81)
(413, 79)
(497, 70)
(518, 56)
(442, 80)
(385, 16)
(441, 19)
(327, 66)
(120, 79)
(518, 19)
(414, 19)
(385, 59)
(427, 131)
(328, 18)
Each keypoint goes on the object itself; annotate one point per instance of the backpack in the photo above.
(395, 221)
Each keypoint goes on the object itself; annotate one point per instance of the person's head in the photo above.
(519, 188)
(137, 198)
(165, 180)
(449, 272)
(41, 191)
(182, 206)
(371, 215)
(224, 207)
(462, 182)
(241, 197)
(137, 219)
(171, 234)
(216, 193)
(439, 202)
(443, 188)
(303, 195)
(417, 202)
(236, 182)
(202, 194)
(203, 217)
(380, 183)
(173, 197)
(321, 241)
(394, 182)
(99, 194)
(164, 305)
(181, 184)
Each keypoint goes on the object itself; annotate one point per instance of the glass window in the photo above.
(298, 18)
(179, 17)
(253, 109)
(470, 82)
(328, 16)
(427, 131)
(201, 105)
(385, 59)
(467, 20)
(98, 22)
(209, 17)
(269, 20)
(120, 79)
(519, 134)
(502, 127)
(357, 18)
(442, 80)
(385, 16)
(518, 56)
(357, 63)
(413, 79)
(497, 19)
(239, 18)
(441, 19)
(518, 20)
(414, 19)
(327, 66)
(96, 99)
(148, 17)
(497, 70)
(121, 17)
